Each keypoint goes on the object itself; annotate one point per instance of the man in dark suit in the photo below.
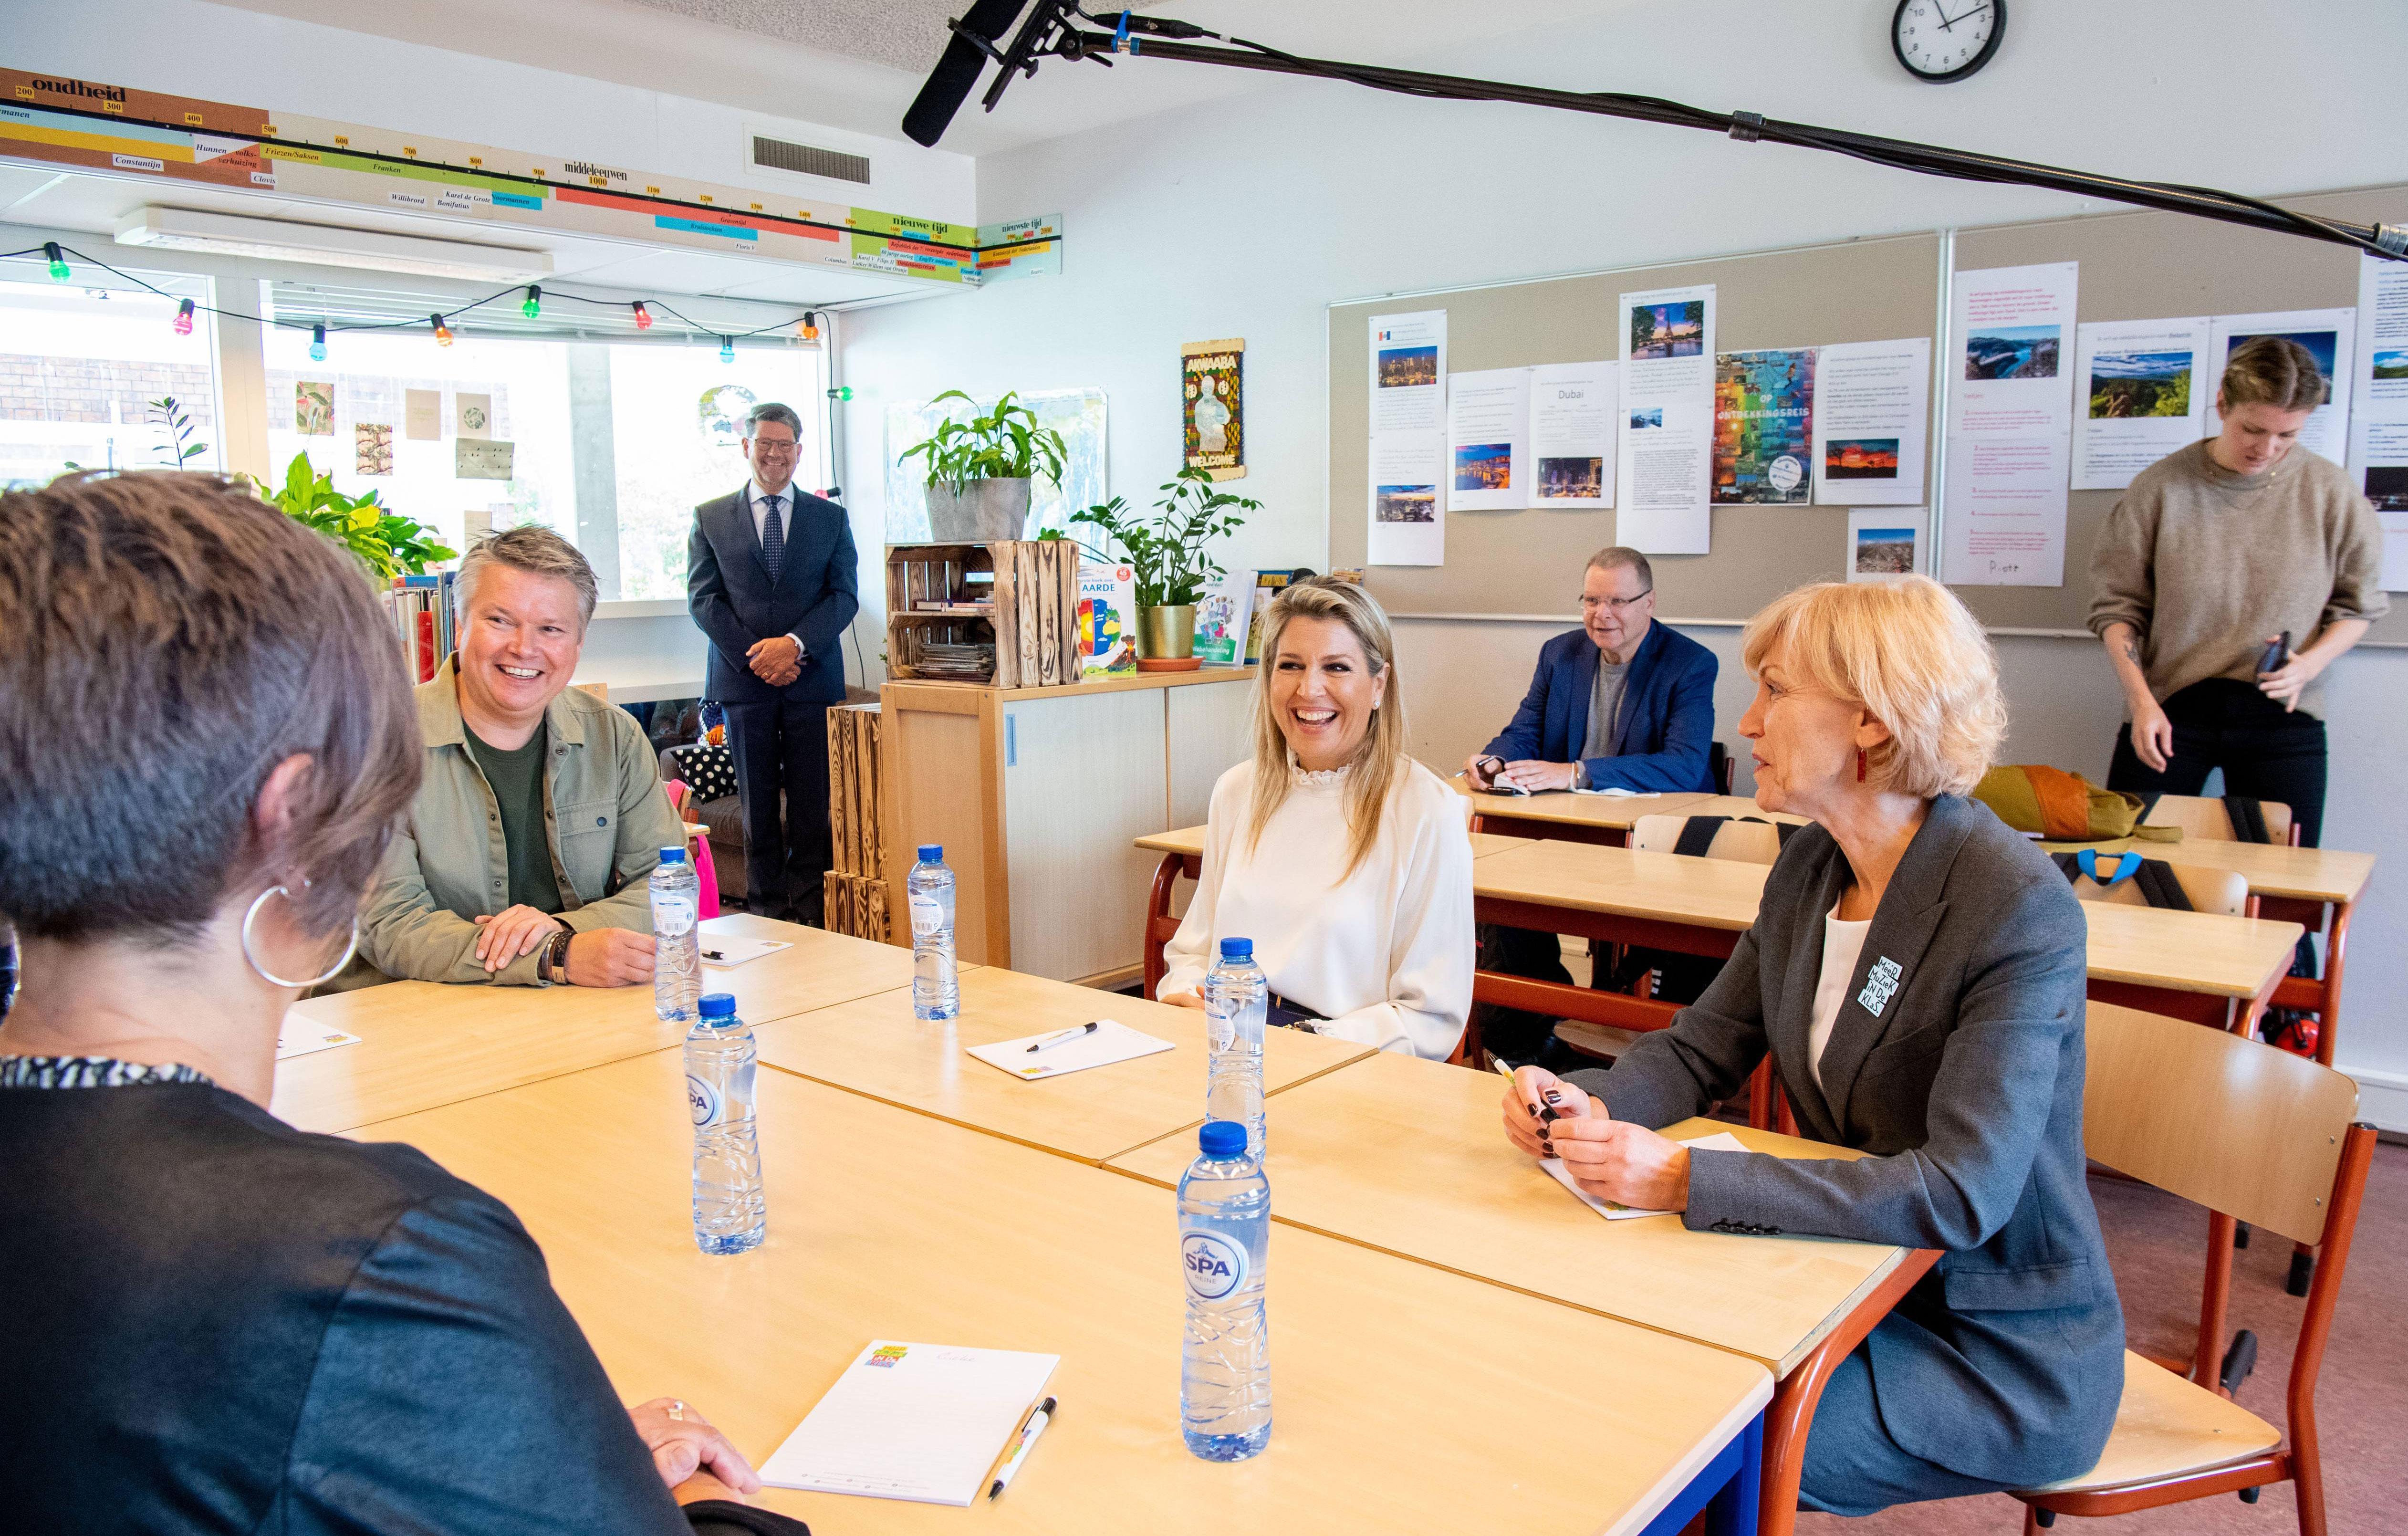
(773, 580)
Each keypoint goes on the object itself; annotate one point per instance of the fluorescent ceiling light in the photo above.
(327, 245)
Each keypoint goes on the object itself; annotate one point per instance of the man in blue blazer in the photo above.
(773, 580)
(1621, 702)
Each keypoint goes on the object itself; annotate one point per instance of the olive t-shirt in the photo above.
(517, 777)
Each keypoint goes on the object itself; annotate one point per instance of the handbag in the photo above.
(2065, 807)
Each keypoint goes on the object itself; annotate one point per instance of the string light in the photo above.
(317, 343)
(185, 318)
(534, 302)
(643, 317)
(442, 332)
(809, 327)
(58, 261)
(727, 349)
(842, 391)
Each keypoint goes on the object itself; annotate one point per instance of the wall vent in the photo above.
(778, 154)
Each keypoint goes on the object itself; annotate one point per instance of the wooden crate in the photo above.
(854, 905)
(853, 790)
(1030, 619)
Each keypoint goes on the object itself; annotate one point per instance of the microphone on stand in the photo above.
(957, 69)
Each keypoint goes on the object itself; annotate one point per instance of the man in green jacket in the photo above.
(524, 857)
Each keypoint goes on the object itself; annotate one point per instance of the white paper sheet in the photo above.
(295, 1038)
(2329, 333)
(1406, 501)
(2395, 550)
(1488, 440)
(919, 1421)
(480, 458)
(2006, 511)
(1719, 1142)
(1573, 407)
(1888, 543)
(474, 415)
(1664, 462)
(1872, 409)
(726, 951)
(421, 415)
(1112, 1041)
(2009, 425)
(2141, 391)
(1408, 372)
(2378, 417)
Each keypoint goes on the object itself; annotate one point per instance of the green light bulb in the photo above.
(842, 391)
(58, 261)
(533, 304)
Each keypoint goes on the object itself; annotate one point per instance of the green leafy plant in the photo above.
(1165, 551)
(168, 415)
(383, 540)
(1006, 443)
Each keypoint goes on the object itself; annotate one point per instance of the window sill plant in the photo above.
(385, 542)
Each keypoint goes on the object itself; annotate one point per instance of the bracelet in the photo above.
(554, 966)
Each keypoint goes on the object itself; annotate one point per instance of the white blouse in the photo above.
(1384, 954)
(1844, 944)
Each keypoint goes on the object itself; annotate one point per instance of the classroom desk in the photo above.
(424, 1043)
(1409, 1158)
(889, 1225)
(1568, 817)
(1735, 805)
(874, 1046)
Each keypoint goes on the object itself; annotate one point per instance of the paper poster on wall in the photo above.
(314, 408)
(1213, 406)
(1764, 427)
(1487, 440)
(2141, 388)
(1571, 433)
(422, 414)
(372, 447)
(475, 413)
(1408, 372)
(2378, 418)
(2006, 511)
(1872, 407)
(1664, 458)
(1406, 500)
(2328, 335)
(482, 458)
(1887, 543)
(2010, 413)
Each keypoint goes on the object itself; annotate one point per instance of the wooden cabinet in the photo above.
(1036, 795)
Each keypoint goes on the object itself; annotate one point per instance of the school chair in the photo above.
(2254, 1134)
(2230, 819)
(1720, 767)
(2130, 879)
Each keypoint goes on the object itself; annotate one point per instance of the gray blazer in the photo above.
(1957, 1061)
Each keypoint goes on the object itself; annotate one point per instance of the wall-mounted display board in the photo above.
(1528, 561)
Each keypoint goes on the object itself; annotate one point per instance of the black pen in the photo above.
(1065, 1036)
(1546, 1116)
(1021, 1443)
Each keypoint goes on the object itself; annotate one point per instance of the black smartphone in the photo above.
(2277, 652)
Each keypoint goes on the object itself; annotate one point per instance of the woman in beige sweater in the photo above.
(2216, 550)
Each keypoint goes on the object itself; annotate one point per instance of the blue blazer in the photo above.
(735, 603)
(1667, 713)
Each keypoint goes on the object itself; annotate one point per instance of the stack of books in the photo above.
(972, 663)
(419, 607)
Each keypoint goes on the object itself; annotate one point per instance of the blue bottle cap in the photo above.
(718, 1005)
(1237, 949)
(932, 852)
(672, 856)
(1222, 1139)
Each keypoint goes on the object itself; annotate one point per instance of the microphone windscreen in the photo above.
(949, 84)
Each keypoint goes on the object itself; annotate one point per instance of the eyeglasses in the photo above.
(1618, 605)
(774, 449)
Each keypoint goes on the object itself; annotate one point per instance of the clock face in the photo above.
(1946, 40)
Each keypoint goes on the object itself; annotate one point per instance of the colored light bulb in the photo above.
(185, 318)
(442, 332)
(643, 317)
(317, 343)
(808, 328)
(534, 302)
(842, 391)
(727, 349)
(58, 261)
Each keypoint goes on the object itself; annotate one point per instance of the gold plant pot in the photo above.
(1166, 633)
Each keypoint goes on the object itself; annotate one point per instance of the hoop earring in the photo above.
(270, 977)
(1860, 765)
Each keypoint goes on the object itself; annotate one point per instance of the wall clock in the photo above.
(1938, 40)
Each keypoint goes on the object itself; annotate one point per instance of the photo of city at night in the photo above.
(1860, 458)
(1484, 466)
(1402, 367)
(1407, 504)
(1565, 479)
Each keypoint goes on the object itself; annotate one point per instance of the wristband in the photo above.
(554, 966)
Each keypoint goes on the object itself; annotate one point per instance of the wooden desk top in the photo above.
(1405, 1397)
(423, 1044)
(874, 1046)
(1735, 805)
(1410, 1157)
(1603, 811)
(2188, 952)
(2307, 874)
(1190, 841)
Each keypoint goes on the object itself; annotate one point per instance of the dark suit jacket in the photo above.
(735, 603)
(1960, 1069)
(1667, 721)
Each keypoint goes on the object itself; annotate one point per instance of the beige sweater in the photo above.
(2206, 565)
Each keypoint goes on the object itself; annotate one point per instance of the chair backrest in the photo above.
(1745, 841)
(2201, 817)
(599, 690)
(2224, 1121)
(2224, 891)
(1720, 767)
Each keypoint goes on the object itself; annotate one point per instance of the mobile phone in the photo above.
(2277, 652)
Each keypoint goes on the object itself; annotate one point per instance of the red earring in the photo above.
(1860, 765)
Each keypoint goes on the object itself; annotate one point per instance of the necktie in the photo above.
(773, 537)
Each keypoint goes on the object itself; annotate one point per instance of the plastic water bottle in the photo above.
(731, 1215)
(936, 994)
(1237, 1001)
(677, 955)
(1224, 1233)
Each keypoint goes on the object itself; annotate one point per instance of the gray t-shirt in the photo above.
(1604, 707)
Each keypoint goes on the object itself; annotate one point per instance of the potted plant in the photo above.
(980, 470)
(1167, 552)
(384, 542)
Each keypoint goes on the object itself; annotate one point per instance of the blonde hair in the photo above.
(2273, 370)
(1910, 653)
(1379, 760)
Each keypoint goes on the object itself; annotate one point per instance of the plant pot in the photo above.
(1166, 634)
(983, 511)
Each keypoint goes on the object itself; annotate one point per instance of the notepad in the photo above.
(296, 1038)
(921, 1421)
(1618, 793)
(725, 951)
(1720, 1141)
(1112, 1041)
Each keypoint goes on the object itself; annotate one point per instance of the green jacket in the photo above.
(604, 817)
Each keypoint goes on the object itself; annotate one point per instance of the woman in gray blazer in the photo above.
(1917, 974)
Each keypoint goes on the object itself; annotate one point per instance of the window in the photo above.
(82, 371)
(611, 443)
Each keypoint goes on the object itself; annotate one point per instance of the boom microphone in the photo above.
(967, 53)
